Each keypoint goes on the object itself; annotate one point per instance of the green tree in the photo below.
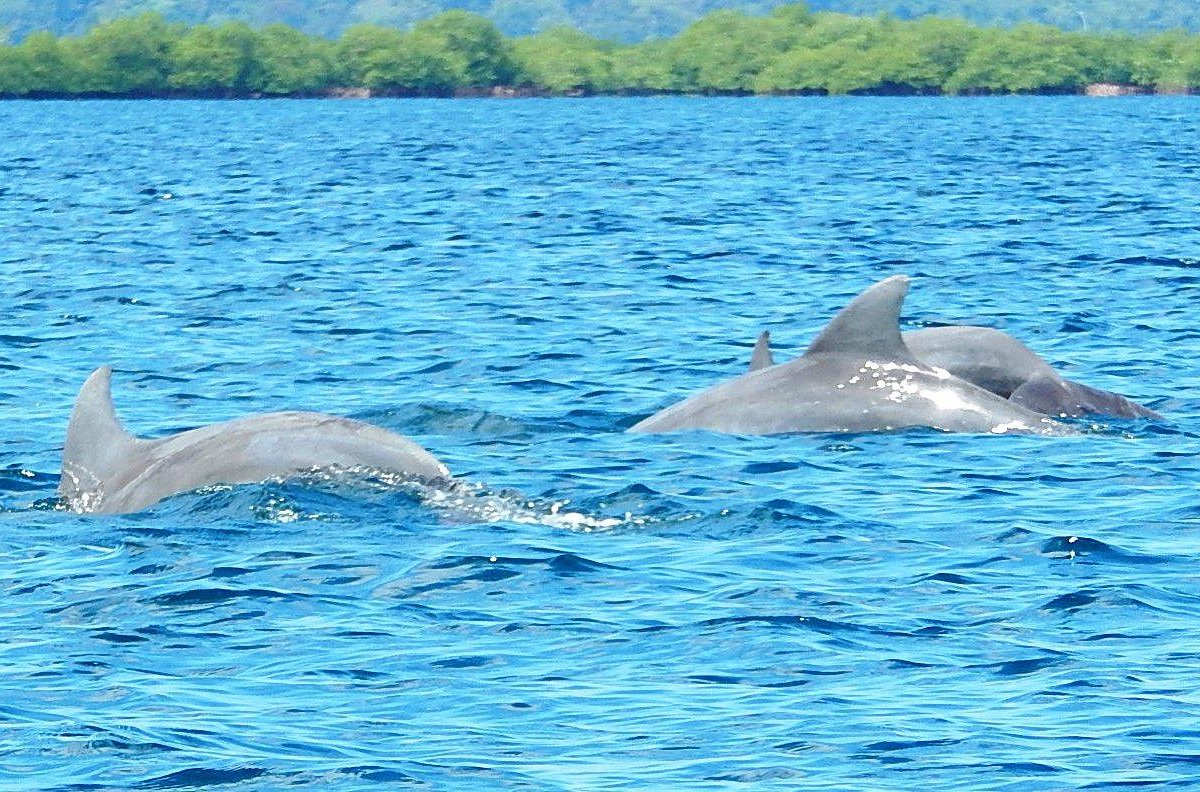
(726, 50)
(293, 63)
(831, 55)
(1169, 61)
(793, 16)
(922, 54)
(644, 67)
(563, 59)
(41, 64)
(15, 77)
(477, 54)
(364, 53)
(222, 58)
(1191, 66)
(385, 59)
(128, 56)
(1025, 59)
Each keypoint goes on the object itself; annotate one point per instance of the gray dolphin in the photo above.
(997, 362)
(857, 376)
(107, 470)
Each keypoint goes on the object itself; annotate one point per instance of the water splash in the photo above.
(476, 502)
(456, 500)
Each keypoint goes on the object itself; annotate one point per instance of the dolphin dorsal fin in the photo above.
(97, 444)
(870, 324)
(762, 358)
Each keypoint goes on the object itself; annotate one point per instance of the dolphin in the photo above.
(857, 376)
(997, 362)
(106, 470)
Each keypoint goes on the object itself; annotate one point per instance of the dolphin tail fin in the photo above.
(869, 324)
(1056, 396)
(97, 444)
(762, 358)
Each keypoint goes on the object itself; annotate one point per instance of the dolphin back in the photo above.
(997, 362)
(107, 470)
(98, 447)
(991, 359)
(1052, 395)
(857, 376)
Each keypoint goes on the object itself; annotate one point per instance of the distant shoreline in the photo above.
(789, 52)
(1108, 90)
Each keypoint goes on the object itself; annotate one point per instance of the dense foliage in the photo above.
(616, 20)
(789, 50)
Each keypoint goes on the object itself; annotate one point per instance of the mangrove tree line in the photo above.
(790, 50)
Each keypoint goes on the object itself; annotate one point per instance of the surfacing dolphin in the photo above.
(106, 470)
(997, 362)
(857, 376)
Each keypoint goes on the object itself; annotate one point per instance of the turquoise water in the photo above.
(513, 284)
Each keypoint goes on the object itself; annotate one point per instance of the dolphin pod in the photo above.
(106, 470)
(861, 374)
(857, 376)
(997, 362)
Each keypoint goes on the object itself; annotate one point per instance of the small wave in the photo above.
(215, 596)
(756, 775)
(1072, 547)
(119, 638)
(761, 468)
(1071, 602)
(202, 777)
(1022, 667)
(559, 562)
(890, 746)
(16, 478)
(380, 774)
(1159, 261)
(951, 578)
(831, 627)
(461, 571)
(20, 341)
(539, 385)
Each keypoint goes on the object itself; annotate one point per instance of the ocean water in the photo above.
(513, 284)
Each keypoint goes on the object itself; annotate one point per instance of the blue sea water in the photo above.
(513, 284)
